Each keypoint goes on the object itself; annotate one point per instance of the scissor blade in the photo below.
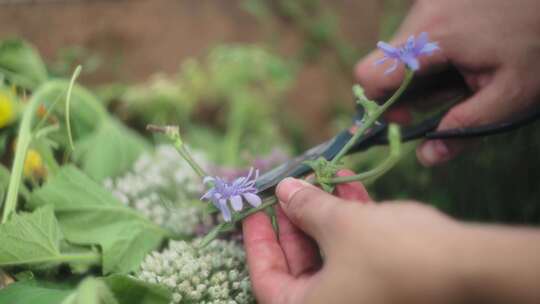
(293, 167)
(329, 149)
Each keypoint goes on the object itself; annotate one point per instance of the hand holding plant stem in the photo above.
(373, 112)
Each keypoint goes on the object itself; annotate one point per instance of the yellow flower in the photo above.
(7, 108)
(33, 165)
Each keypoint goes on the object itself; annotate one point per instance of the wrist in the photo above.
(494, 264)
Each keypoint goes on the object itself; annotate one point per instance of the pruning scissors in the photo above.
(447, 87)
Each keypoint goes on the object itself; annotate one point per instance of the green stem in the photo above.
(173, 133)
(269, 202)
(25, 136)
(386, 165)
(372, 118)
(68, 103)
(213, 234)
(23, 142)
(191, 161)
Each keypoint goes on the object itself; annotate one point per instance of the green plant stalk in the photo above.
(386, 165)
(23, 142)
(173, 133)
(371, 120)
(24, 139)
(269, 202)
(191, 161)
(235, 127)
(68, 103)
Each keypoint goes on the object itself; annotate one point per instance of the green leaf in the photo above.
(89, 214)
(30, 292)
(110, 151)
(34, 239)
(21, 64)
(91, 291)
(128, 290)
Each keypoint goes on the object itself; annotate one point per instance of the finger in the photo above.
(353, 191)
(488, 105)
(266, 262)
(300, 250)
(400, 114)
(308, 207)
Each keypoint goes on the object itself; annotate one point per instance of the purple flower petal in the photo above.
(410, 43)
(387, 49)
(223, 192)
(236, 202)
(429, 48)
(208, 179)
(207, 194)
(225, 210)
(253, 199)
(392, 68)
(381, 61)
(412, 63)
(421, 41)
(407, 53)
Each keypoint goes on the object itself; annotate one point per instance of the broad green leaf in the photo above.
(128, 290)
(110, 151)
(30, 292)
(21, 64)
(91, 291)
(34, 239)
(89, 214)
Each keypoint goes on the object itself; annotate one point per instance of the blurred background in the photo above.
(247, 78)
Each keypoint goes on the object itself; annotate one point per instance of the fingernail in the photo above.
(433, 151)
(288, 187)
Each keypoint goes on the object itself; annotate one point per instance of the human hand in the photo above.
(495, 44)
(370, 251)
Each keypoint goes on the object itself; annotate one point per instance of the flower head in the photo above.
(33, 165)
(161, 186)
(222, 193)
(214, 274)
(407, 53)
(7, 109)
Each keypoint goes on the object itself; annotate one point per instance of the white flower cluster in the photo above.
(165, 189)
(214, 274)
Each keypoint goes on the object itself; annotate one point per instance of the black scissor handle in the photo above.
(448, 87)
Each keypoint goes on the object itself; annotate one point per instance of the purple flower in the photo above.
(407, 53)
(234, 193)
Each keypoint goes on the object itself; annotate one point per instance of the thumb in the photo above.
(308, 207)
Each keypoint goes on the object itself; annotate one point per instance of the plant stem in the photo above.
(269, 202)
(173, 133)
(272, 200)
(373, 173)
(191, 161)
(68, 103)
(372, 118)
(23, 142)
